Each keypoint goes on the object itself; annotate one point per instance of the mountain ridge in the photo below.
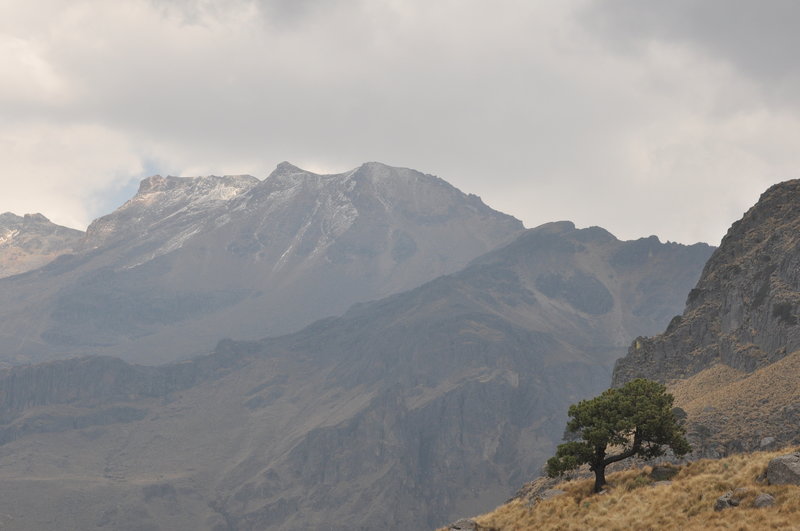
(731, 357)
(190, 260)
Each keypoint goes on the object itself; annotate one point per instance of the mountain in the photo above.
(188, 261)
(403, 413)
(733, 356)
(31, 241)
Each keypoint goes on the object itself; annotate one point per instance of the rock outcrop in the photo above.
(732, 358)
(743, 313)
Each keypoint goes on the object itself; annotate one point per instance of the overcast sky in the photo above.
(643, 117)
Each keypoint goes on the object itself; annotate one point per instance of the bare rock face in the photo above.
(166, 210)
(80, 393)
(784, 470)
(31, 241)
(743, 313)
(733, 357)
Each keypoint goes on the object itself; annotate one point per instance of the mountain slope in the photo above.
(739, 327)
(635, 499)
(402, 413)
(31, 241)
(190, 260)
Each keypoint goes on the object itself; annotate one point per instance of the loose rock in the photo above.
(766, 442)
(463, 525)
(467, 524)
(726, 501)
(663, 472)
(763, 500)
(550, 493)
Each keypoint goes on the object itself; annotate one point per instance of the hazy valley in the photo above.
(732, 361)
(403, 412)
(562, 292)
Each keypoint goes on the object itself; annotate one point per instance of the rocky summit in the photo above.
(188, 261)
(733, 356)
(31, 241)
(403, 413)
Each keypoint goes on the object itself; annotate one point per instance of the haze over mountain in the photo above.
(733, 357)
(401, 414)
(30, 241)
(188, 261)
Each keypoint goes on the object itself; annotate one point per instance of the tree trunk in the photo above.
(599, 478)
(599, 467)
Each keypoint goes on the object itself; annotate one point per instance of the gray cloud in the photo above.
(613, 115)
(759, 39)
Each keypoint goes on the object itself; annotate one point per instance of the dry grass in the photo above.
(633, 502)
(719, 390)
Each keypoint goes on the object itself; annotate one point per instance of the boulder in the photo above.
(726, 501)
(663, 472)
(766, 442)
(784, 470)
(763, 500)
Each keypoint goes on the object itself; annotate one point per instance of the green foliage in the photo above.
(635, 420)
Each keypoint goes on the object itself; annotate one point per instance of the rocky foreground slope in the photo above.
(401, 414)
(188, 261)
(749, 492)
(733, 357)
(31, 241)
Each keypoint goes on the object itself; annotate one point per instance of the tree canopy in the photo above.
(634, 420)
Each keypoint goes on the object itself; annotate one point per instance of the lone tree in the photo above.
(634, 420)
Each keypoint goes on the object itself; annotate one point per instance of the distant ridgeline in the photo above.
(188, 261)
(31, 241)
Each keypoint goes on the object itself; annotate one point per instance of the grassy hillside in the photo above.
(635, 501)
(734, 405)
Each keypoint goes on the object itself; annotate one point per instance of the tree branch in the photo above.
(630, 452)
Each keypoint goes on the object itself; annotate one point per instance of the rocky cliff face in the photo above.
(403, 413)
(188, 261)
(31, 241)
(744, 310)
(731, 355)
